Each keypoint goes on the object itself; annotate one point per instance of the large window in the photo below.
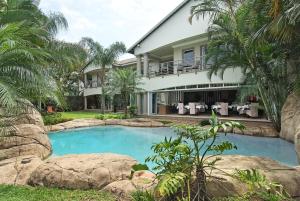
(188, 57)
(203, 50)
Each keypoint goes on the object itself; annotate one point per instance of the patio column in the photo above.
(150, 94)
(139, 65)
(145, 103)
(138, 104)
(85, 103)
(85, 80)
(146, 64)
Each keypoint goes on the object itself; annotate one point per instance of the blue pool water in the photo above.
(137, 142)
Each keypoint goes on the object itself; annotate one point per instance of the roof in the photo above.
(131, 49)
(126, 62)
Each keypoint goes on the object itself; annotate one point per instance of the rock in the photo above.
(93, 171)
(290, 121)
(79, 123)
(31, 117)
(112, 122)
(141, 122)
(144, 180)
(141, 180)
(25, 139)
(222, 184)
(261, 130)
(17, 171)
(121, 189)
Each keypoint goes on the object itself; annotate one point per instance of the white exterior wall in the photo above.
(92, 91)
(174, 29)
(158, 83)
(179, 50)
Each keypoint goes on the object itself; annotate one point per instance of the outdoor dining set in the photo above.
(221, 108)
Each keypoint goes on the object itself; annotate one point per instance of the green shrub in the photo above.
(54, 118)
(142, 196)
(110, 116)
(132, 110)
(204, 123)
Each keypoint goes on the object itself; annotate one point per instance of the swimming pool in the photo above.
(137, 142)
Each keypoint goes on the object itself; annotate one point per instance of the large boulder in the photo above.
(32, 116)
(290, 121)
(92, 171)
(221, 184)
(140, 181)
(25, 139)
(26, 136)
(17, 171)
(77, 123)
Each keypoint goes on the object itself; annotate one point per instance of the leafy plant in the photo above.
(269, 66)
(55, 118)
(260, 187)
(204, 123)
(132, 110)
(177, 159)
(142, 196)
(124, 82)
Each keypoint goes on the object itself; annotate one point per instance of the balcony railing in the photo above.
(178, 67)
(92, 84)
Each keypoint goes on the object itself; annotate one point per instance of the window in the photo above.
(188, 57)
(203, 50)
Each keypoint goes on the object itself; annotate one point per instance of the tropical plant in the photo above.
(232, 45)
(142, 196)
(259, 188)
(124, 82)
(104, 58)
(177, 159)
(25, 34)
(26, 56)
(69, 58)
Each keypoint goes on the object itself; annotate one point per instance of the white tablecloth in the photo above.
(243, 107)
(202, 107)
(215, 107)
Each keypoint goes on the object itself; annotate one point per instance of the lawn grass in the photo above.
(13, 193)
(79, 115)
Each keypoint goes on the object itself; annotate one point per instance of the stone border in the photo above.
(252, 129)
(82, 123)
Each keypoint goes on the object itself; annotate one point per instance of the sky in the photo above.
(107, 21)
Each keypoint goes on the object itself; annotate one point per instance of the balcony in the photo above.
(177, 67)
(92, 84)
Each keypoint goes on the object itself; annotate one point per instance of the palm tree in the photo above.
(231, 45)
(125, 82)
(103, 57)
(30, 57)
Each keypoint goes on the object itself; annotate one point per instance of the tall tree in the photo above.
(104, 58)
(231, 45)
(124, 82)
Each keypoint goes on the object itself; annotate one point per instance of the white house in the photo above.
(171, 60)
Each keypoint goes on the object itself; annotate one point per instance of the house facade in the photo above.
(171, 59)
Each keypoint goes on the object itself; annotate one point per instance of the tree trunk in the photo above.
(102, 79)
(125, 105)
(201, 194)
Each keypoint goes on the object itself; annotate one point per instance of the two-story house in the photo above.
(170, 58)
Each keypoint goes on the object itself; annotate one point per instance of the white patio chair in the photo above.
(181, 109)
(223, 111)
(253, 110)
(193, 110)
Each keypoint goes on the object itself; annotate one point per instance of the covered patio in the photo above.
(201, 102)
